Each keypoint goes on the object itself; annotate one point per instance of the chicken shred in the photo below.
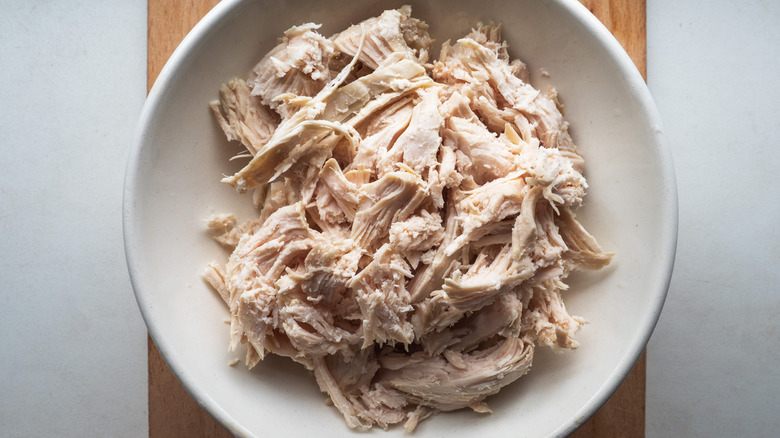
(416, 220)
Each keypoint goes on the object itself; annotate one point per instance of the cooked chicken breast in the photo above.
(416, 221)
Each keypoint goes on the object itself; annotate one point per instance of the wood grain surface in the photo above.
(173, 413)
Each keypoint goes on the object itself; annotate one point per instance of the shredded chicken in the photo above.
(416, 221)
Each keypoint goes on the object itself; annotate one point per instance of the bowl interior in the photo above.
(180, 155)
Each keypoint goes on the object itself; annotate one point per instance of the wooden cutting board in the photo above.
(173, 413)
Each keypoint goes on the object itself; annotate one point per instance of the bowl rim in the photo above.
(637, 87)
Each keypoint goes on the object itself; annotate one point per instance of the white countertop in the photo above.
(713, 362)
(73, 347)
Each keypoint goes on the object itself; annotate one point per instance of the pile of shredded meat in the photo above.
(416, 218)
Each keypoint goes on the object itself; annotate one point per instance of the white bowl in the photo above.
(180, 154)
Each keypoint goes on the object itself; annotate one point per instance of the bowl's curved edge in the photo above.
(642, 94)
(194, 38)
(638, 88)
